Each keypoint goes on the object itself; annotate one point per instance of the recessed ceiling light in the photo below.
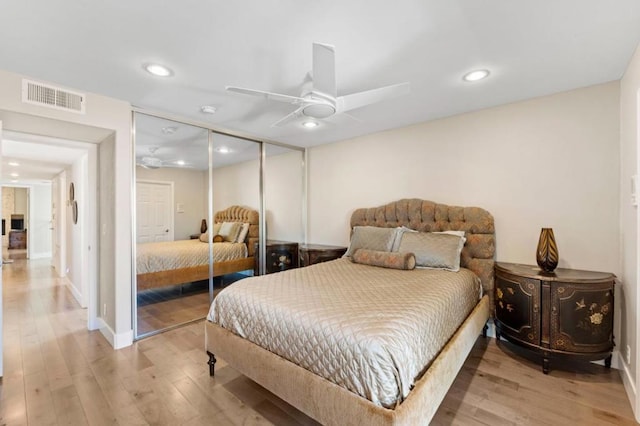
(13, 163)
(169, 130)
(14, 175)
(180, 163)
(223, 150)
(208, 109)
(476, 75)
(309, 124)
(158, 70)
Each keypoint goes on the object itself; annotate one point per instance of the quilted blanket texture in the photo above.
(372, 330)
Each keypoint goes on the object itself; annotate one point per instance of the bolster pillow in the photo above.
(385, 259)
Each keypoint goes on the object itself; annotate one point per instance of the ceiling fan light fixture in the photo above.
(157, 70)
(319, 111)
(310, 124)
(151, 162)
(476, 75)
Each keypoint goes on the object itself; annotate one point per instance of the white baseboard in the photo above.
(629, 387)
(74, 291)
(118, 341)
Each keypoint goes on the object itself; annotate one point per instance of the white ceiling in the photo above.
(531, 48)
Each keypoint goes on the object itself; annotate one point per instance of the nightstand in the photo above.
(280, 256)
(567, 313)
(310, 254)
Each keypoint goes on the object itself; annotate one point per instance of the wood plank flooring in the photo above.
(58, 373)
(174, 305)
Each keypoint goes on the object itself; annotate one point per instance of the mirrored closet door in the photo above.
(205, 200)
(171, 259)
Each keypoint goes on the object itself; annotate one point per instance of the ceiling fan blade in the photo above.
(324, 69)
(360, 99)
(288, 118)
(267, 95)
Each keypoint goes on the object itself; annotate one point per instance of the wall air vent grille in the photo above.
(52, 97)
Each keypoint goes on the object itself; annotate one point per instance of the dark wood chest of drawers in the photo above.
(310, 254)
(568, 313)
(17, 239)
(280, 256)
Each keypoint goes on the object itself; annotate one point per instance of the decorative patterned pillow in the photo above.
(371, 238)
(230, 231)
(244, 230)
(434, 250)
(385, 259)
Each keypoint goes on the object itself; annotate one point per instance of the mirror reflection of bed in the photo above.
(172, 276)
(173, 186)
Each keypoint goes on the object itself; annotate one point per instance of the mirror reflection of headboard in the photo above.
(244, 215)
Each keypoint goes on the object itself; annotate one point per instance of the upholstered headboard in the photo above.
(244, 215)
(426, 216)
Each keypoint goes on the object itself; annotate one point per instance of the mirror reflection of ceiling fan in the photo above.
(320, 100)
(151, 161)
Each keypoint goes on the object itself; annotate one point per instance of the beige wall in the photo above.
(189, 187)
(546, 162)
(629, 139)
(283, 189)
(238, 184)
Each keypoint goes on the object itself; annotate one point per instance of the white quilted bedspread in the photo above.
(371, 330)
(166, 255)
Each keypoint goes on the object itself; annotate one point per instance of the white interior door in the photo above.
(154, 210)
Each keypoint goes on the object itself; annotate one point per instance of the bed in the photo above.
(358, 354)
(176, 262)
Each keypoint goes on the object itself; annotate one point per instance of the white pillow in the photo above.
(243, 233)
(230, 230)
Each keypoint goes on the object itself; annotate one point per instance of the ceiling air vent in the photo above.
(52, 97)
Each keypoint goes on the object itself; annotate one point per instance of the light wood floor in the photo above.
(56, 372)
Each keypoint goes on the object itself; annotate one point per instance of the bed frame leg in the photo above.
(212, 364)
(484, 330)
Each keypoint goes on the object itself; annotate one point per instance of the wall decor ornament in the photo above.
(74, 206)
(72, 192)
(547, 253)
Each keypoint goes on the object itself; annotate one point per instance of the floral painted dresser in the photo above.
(567, 313)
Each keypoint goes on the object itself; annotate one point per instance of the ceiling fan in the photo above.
(152, 162)
(320, 100)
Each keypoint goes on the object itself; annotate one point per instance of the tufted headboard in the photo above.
(426, 216)
(244, 215)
